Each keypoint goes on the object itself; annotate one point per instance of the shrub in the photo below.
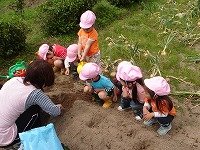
(121, 3)
(12, 38)
(106, 13)
(61, 17)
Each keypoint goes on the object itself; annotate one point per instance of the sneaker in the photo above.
(138, 118)
(163, 130)
(120, 108)
(107, 104)
(150, 122)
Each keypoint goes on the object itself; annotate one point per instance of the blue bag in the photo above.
(42, 138)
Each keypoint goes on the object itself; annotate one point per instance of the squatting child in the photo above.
(158, 107)
(133, 93)
(71, 60)
(101, 87)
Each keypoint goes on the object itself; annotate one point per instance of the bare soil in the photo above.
(87, 126)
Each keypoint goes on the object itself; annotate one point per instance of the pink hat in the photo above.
(89, 71)
(129, 72)
(72, 52)
(43, 50)
(87, 19)
(120, 65)
(158, 84)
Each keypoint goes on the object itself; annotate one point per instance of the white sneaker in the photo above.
(120, 108)
(138, 118)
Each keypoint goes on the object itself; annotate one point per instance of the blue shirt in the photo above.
(102, 83)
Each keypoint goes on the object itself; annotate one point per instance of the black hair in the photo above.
(160, 99)
(50, 48)
(134, 89)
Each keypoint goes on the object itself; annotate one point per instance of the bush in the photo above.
(12, 38)
(106, 13)
(61, 17)
(121, 3)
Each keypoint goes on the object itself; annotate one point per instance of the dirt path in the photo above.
(87, 126)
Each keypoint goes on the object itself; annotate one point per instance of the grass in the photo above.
(147, 25)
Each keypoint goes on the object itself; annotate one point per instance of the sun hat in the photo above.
(89, 71)
(43, 50)
(72, 52)
(87, 19)
(120, 65)
(129, 72)
(158, 84)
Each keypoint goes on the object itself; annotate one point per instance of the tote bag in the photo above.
(42, 138)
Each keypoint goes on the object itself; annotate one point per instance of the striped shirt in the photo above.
(37, 97)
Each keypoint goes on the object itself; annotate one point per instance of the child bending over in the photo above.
(54, 54)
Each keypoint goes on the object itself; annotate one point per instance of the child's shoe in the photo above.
(120, 108)
(55, 69)
(62, 72)
(107, 104)
(163, 130)
(150, 122)
(138, 118)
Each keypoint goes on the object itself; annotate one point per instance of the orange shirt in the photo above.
(164, 107)
(84, 38)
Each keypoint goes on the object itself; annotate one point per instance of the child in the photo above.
(71, 61)
(115, 81)
(158, 106)
(88, 48)
(133, 93)
(54, 55)
(100, 86)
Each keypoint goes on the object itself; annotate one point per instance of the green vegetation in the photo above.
(158, 36)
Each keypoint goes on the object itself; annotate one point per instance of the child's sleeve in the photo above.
(66, 63)
(146, 103)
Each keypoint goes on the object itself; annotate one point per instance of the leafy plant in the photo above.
(62, 17)
(106, 13)
(12, 38)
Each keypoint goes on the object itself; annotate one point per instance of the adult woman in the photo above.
(21, 99)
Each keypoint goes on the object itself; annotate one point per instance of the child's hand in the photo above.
(79, 56)
(96, 91)
(114, 98)
(67, 71)
(148, 116)
(82, 58)
(145, 111)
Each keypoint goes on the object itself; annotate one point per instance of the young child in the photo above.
(133, 93)
(88, 48)
(55, 55)
(117, 82)
(100, 86)
(71, 61)
(158, 107)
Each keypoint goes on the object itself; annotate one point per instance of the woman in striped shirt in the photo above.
(21, 99)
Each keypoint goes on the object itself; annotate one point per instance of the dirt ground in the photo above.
(87, 126)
